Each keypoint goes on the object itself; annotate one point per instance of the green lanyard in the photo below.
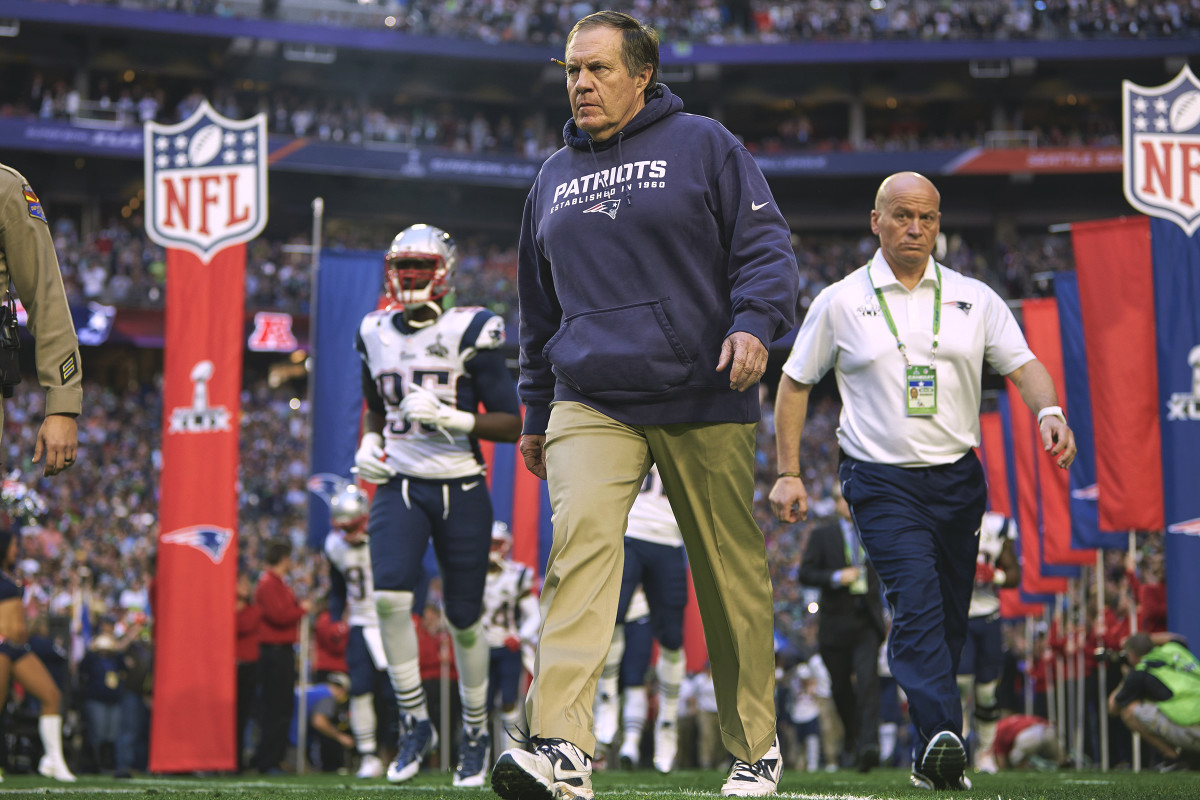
(937, 315)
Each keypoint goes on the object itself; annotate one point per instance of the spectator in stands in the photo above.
(102, 675)
(1160, 697)
(281, 614)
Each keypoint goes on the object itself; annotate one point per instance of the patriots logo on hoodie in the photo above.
(610, 207)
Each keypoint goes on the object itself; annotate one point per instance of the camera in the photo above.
(1115, 657)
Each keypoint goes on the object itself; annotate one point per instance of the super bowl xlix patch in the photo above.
(35, 205)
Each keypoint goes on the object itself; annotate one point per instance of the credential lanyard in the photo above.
(937, 315)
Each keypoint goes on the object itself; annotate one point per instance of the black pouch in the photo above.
(10, 346)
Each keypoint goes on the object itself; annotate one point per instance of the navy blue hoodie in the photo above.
(639, 255)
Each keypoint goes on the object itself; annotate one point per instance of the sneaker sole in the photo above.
(944, 763)
(513, 783)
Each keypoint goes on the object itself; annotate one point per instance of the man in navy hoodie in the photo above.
(655, 268)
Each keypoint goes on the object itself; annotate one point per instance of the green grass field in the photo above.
(883, 784)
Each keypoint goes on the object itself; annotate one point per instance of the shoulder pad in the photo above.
(491, 335)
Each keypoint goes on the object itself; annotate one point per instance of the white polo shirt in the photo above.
(845, 329)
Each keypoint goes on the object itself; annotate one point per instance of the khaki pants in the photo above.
(595, 466)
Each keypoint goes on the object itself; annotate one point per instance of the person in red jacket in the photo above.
(331, 639)
(1026, 741)
(1151, 593)
(277, 654)
(249, 617)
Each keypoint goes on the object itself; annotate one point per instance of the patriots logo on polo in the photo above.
(961, 305)
(610, 207)
(211, 541)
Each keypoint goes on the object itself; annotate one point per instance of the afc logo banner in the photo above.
(1161, 126)
(206, 181)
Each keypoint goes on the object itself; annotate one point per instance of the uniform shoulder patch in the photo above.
(68, 368)
(35, 205)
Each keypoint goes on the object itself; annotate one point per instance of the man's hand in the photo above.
(369, 461)
(789, 499)
(746, 358)
(1058, 440)
(847, 575)
(58, 439)
(533, 450)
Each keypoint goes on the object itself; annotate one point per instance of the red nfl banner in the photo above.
(1042, 332)
(195, 699)
(206, 190)
(1116, 298)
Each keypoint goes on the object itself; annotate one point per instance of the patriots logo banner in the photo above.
(1161, 136)
(213, 542)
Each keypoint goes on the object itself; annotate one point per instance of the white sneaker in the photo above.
(555, 770)
(52, 768)
(605, 719)
(666, 744)
(371, 767)
(757, 779)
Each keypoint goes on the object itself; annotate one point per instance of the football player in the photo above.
(983, 654)
(656, 563)
(426, 370)
(352, 589)
(510, 622)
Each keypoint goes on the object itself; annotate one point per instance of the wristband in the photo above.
(789, 474)
(1051, 411)
(999, 577)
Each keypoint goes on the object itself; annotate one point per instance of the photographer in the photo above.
(1160, 697)
(28, 262)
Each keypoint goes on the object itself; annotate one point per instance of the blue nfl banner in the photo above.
(1177, 312)
(1085, 494)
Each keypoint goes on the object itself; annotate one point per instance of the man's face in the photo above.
(907, 224)
(604, 96)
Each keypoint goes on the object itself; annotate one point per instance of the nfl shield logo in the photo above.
(1162, 149)
(206, 181)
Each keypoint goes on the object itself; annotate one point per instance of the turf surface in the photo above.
(883, 784)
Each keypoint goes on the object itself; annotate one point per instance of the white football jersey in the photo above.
(434, 358)
(502, 596)
(995, 529)
(354, 564)
(651, 518)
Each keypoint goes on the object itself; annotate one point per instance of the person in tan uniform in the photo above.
(29, 266)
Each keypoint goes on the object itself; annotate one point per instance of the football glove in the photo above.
(421, 406)
(370, 460)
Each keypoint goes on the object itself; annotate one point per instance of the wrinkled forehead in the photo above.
(597, 43)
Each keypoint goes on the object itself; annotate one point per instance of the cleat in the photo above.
(629, 761)
(666, 744)
(473, 757)
(604, 724)
(371, 767)
(757, 779)
(986, 763)
(555, 770)
(418, 742)
(56, 769)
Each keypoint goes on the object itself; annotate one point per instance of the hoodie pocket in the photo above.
(619, 353)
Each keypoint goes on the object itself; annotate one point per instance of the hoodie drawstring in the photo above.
(620, 164)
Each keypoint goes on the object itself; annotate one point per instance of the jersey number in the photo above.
(392, 385)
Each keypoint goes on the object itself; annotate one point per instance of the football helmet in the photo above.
(348, 510)
(501, 541)
(418, 268)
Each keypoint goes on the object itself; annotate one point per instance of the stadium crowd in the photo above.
(736, 21)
